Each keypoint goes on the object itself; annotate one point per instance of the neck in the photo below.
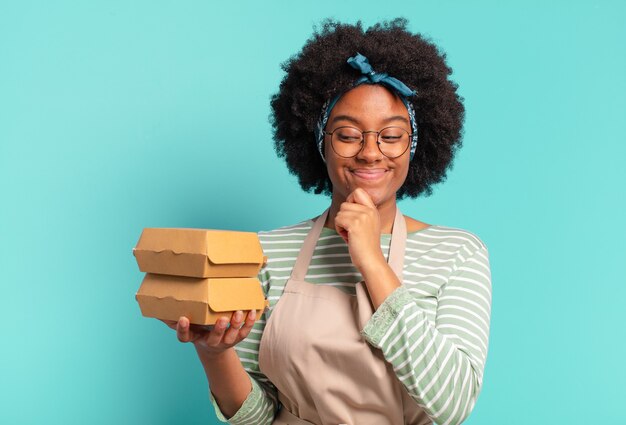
(386, 213)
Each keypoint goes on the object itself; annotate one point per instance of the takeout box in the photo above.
(200, 274)
(202, 301)
(199, 253)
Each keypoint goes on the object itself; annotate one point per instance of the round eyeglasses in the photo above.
(347, 142)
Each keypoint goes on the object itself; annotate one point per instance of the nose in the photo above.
(369, 151)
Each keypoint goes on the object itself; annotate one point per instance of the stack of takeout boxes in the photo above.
(200, 274)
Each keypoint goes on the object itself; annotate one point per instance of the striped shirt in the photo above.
(433, 330)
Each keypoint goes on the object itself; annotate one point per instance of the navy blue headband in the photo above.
(369, 76)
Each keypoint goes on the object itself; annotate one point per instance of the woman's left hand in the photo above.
(358, 223)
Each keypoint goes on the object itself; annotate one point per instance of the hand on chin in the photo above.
(358, 223)
(372, 193)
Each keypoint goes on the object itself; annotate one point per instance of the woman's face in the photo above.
(369, 108)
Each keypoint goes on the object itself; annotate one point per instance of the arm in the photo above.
(229, 382)
(236, 395)
(240, 393)
(261, 401)
(258, 405)
(441, 365)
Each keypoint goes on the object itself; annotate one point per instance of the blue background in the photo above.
(117, 115)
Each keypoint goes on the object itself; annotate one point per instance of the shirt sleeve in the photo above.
(258, 407)
(441, 365)
(262, 401)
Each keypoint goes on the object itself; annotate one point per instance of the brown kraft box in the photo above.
(202, 301)
(199, 253)
(200, 274)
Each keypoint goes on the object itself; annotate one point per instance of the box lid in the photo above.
(219, 246)
(227, 247)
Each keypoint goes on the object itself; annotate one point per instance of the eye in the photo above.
(393, 135)
(348, 135)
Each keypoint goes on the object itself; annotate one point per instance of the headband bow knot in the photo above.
(360, 63)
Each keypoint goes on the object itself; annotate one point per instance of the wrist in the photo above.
(373, 264)
(211, 356)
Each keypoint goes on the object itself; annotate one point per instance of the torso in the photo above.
(432, 255)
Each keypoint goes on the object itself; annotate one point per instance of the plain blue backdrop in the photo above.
(117, 115)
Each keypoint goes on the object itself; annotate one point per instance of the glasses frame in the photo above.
(362, 142)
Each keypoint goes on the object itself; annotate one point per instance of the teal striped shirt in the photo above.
(434, 329)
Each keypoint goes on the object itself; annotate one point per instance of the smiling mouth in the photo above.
(369, 174)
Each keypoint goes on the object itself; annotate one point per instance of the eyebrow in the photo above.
(356, 121)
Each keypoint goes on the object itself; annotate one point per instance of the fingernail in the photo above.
(182, 322)
(252, 314)
(239, 315)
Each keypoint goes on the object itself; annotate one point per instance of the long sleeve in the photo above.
(440, 364)
(257, 409)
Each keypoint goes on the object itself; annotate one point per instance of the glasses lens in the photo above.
(346, 141)
(393, 141)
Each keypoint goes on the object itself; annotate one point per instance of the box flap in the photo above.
(233, 294)
(227, 247)
(179, 241)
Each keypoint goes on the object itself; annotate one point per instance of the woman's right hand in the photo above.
(217, 340)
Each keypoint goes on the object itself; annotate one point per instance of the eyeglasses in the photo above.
(347, 142)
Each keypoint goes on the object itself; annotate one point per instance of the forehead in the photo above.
(369, 103)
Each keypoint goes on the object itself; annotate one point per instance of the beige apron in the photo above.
(313, 352)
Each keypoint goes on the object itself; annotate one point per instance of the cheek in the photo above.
(335, 171)
(403, 172)
(333, 167)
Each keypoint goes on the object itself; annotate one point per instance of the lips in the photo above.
(369, 173)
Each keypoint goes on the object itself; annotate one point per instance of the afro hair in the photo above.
(320, 72)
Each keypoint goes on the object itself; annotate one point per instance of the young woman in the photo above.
(374, 317)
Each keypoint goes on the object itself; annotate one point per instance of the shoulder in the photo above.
(285, 235)
(299, 228)
(438, 235)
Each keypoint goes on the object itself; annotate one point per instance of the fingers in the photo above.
(340, 227)
(346, 206)
(182, 330)
(343, 233)
(363, 198)
(231, 334)
(221, 335)
(358, 213)
(247, 326)
(360, 196)
(348, 215)
(224, 335)
(215, 337)
(346, 218)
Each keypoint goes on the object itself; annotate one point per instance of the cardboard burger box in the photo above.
(200, 274)
(202, 301)
(199, 253)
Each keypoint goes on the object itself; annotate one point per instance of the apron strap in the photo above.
(398, 244)
(308, 247)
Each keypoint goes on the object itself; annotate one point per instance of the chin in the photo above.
(377, 197)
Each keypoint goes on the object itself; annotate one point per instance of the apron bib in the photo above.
(313, 352)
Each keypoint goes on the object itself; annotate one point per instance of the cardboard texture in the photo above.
(200, 274)
(199, 253)
(202, 301)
